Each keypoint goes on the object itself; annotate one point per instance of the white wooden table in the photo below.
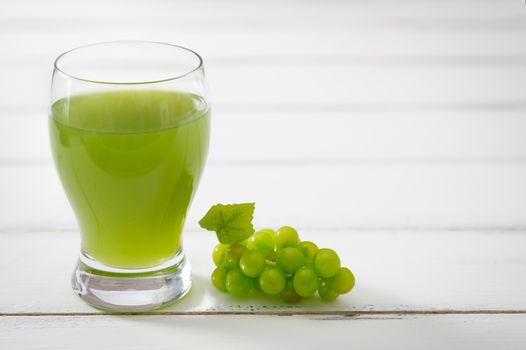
(393, 131)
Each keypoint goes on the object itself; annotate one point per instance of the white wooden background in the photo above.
(394, 131)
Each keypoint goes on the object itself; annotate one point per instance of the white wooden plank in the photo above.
(293, 44)
(275, 9)
(311, 194)
(318, 85)
(276, 28)
(329, 20)
(362, 136)
(317, 136)
(396, 271)
(469, 332)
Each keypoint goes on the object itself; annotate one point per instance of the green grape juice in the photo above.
(130, 162)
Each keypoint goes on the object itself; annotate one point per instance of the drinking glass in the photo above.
(129, 127)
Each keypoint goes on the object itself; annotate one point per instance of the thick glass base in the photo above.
(123, 290)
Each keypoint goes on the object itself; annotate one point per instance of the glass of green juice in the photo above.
(129, 127)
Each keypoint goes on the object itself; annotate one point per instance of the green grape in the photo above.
(237, 283)
(308, 249)
(233, 254)
(252, 263)
(272, 281)
(269, 232)
(326, 263)
(263, 241)
(289, 295)
(305, 281)
(219, 278)
(326, 293)
(287, 237)
(290, 259)
(342, 282)
(256, 287)
(218, 255)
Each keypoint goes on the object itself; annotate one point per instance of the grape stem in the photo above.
(270, 263)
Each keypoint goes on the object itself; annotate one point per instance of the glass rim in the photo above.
(71, 76)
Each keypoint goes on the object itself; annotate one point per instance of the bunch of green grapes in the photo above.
(278, 263)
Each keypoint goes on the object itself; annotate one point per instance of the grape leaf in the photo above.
(231, 222)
